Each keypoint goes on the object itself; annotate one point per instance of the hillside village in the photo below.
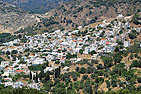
(52, 50)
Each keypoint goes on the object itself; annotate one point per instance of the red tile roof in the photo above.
(8, 68)
(19, 70)
(107, 43)
(62, 59)
(73, 36)
(102, 39)
(74, 40)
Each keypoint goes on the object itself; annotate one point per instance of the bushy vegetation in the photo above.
(24, 90)
(6, 37)
(99, 3)
(136, 19)
(48, 22)
(38, 67)
(113, 69)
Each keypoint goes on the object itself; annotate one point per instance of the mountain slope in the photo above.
(84, 12)
(12, 18)
(36, 6)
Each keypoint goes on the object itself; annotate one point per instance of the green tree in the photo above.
(89, 70)
(92, 52)
(47, 76)
(7, 53)
(135, 63)
(117, 58)
(57, 72)
(107, 61)
(81, 51)
(85, 77)
(99, 79)
(77, 69)
(30, 75)
(14, 52)
(82, 70)
(132, 36)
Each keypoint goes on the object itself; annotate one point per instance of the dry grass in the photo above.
(103, 87)
(138, 72)
(84, 56)
(135, 26)
(24, 80)
(95, 24)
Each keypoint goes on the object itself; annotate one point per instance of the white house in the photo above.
(126, 44)
(18, 84)
(38, 61)
(34, 85)
(5, 63)
(48, 69)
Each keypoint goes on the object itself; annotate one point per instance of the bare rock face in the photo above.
(13, 18)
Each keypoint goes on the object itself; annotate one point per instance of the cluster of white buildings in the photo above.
(56, 45)
(20, 84)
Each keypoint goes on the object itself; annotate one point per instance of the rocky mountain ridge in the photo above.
(36, 6)
(68, 15)
(13, 18)
(84, 12)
